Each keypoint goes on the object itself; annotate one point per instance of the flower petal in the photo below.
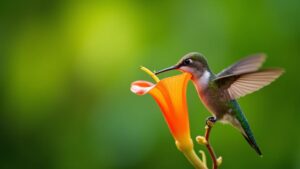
(141, 87)
(170, 94)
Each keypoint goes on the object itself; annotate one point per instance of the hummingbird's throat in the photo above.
(202, 81)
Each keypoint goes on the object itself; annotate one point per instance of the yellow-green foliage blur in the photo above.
(66, 68)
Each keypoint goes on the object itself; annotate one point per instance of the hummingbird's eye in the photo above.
(187, 61)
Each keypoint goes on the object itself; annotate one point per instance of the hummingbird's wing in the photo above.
(243, 84)
(249, 64)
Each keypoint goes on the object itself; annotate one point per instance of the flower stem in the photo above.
(208, 146)
(194, 159)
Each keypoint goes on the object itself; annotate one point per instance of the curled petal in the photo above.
(141, 87)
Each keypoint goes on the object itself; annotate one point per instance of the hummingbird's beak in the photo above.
(167, 69)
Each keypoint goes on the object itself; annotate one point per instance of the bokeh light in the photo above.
(66, 68)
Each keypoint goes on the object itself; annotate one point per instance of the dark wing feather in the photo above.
(241, 85)
(249, 64)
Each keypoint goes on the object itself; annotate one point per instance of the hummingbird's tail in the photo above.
(244, 127)
(248, 135)
(252, 143)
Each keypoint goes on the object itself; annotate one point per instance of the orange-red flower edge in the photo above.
(170, 95)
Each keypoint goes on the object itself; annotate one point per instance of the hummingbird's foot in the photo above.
(210, 121)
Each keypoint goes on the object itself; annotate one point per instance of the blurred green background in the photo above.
(66, 68)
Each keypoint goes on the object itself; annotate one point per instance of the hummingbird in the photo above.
(219, 92)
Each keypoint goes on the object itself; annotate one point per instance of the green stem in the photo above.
(194, 159)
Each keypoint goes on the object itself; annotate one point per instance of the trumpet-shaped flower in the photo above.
(170, 95)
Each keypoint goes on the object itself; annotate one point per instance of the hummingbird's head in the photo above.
(193, 63)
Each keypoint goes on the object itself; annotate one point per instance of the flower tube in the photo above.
(170, 95)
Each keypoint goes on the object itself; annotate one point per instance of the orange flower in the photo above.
(170, 95)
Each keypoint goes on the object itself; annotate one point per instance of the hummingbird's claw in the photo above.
(210, 121)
